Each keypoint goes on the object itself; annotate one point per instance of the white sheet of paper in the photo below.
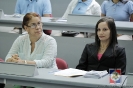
(70, 72)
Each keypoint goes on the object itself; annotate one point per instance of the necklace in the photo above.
(102, 48)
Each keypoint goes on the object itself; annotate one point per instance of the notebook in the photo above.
(95, 74)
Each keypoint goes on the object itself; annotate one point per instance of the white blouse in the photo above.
(93, 9)
(44, 53)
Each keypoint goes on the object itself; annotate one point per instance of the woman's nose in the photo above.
(101, 32)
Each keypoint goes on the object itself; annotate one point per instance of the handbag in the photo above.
(70, 33)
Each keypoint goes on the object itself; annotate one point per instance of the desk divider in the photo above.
(1, 13)
(18, 69)
(82, 19)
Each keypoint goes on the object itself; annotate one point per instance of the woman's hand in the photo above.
(11, 60)
(15, 56)
(21, 61)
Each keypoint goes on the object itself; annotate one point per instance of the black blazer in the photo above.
(89, 60)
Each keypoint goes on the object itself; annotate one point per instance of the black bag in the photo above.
(70, 33)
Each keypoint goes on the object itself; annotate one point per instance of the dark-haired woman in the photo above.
(104, 53)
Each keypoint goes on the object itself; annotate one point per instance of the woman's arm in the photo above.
(103, 8)
(14, 49)
(26, 62)
(17, 7)
(83, 60)
(130, 10)
(47, 11)
(121, 60)
(49, 55)
(68, 10)
(131, 18)
(96, 10)
(102, 15)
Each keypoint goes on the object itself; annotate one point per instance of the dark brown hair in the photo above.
(28, 17)
(113, 33)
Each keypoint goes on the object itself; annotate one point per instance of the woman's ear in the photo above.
(25, 27)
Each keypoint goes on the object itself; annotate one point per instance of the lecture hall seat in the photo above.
(61, 64)
(131, 20)
(1, 60)
(48, 32)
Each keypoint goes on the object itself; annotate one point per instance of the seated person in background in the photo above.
(88, 7)
(83, 7)
(119, 10)
(41, 7)
(35, 47)
(104, 53)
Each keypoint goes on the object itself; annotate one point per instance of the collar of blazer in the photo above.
(108, 52)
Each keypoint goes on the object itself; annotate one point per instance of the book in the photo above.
(70, 72)
(95, 74)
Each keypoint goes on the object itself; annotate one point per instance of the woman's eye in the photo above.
(33, 24)
(39, 23)
(104, 29)
(98, 29)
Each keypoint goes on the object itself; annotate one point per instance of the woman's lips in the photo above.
(101, 36)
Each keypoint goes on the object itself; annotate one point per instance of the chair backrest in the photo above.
(61, 64)
(1, 60)
(48, 32)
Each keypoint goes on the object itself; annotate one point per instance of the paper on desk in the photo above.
(70, 72)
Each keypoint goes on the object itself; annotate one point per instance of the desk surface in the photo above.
(130, 81)
(45, 78)
(122, 27)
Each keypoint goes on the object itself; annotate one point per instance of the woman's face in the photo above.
(103, 31)
(34, 27)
